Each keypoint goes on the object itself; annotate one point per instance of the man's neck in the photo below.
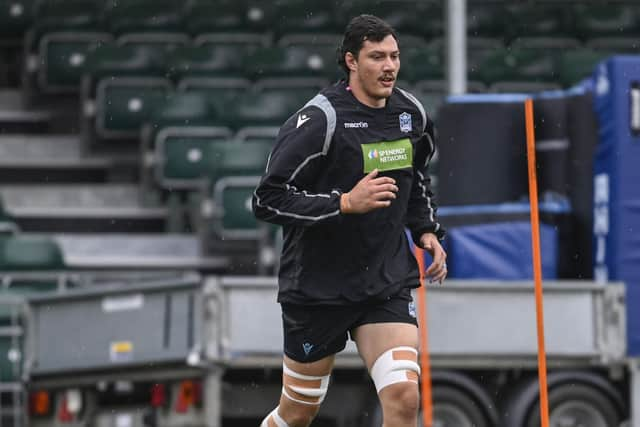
(361, 96)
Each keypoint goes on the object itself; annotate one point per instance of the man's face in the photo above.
(376, 68)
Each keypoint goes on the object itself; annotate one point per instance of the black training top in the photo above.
(324, 150)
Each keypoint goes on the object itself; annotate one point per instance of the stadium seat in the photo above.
(30, 253)
(296, 61)
(266, 107)
(419, 63)
(299, 16)
(261, 134)
(15, 18)
(221, 92)
(235, 219)
(208, 60)
(423, 18)
(575, 65)
(141, 16)
(619, 45)
(176, 115)
(189, 161)
(478, 49)
(184, 155)
(487, 19)
(607, 19)
(540, 19)
(205, 16)
(515, 63)
(56, 46)
(121, 86)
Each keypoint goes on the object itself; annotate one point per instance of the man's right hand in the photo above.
(369, 193)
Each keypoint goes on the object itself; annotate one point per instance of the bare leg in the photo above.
(400, 401)
(299, 409)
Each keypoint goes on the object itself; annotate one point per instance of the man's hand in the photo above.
(369, 193)
(437, 271)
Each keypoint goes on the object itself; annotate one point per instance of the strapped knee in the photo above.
(396, 365)
(305, 389)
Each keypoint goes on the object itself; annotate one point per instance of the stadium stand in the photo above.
(113, 129)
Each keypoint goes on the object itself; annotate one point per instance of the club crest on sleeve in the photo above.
(405, 122)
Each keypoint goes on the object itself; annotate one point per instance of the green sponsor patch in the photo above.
(388, 155)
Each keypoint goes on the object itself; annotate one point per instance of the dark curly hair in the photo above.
(359, 29)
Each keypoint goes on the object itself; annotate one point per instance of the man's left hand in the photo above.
(437, 271)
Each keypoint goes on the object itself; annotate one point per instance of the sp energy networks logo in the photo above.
(387, 155)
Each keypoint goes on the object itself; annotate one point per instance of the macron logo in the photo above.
(302, 119)
(356, 125)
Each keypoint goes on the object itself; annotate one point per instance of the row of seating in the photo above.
(500, 18)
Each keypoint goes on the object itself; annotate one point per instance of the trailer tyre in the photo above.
(451, 408)
(454, 408)
(577, 405)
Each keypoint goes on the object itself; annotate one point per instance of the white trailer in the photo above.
(482, 341)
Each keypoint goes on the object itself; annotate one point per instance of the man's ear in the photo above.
(351, 61)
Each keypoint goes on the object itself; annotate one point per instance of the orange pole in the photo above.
(537, 265)
(425, 364)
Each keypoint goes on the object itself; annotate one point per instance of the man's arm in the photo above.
(422, 221)
(421, 212)
(283, 195)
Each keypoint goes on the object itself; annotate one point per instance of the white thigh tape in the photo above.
(312, 392)
(393, 366)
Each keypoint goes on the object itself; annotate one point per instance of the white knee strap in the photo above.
(277, 419)
(395, 365)
(315, 389)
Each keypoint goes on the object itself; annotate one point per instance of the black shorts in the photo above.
(312, 332)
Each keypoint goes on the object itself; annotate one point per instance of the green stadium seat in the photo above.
(184, 155)
(299, 16)
(517, 64)
(62, 57)
(267, 107)
(204, 16)
(235, 219)
(261, 134)
(15, 18)
(550, 19)
(123, 104)
(192, 158)
(577, 64)
(419, 63)
(299, 60)
(208, 60)
(619, 45)
(222, 93)
(606, 19)
(141, 16)
(478, 49)
(487, 19)
(238, 159)
(30, 254)
(423, 18)
(120, 89)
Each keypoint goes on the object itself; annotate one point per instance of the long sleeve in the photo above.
(287, 193)
(421, 213)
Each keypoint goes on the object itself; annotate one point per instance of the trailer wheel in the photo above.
(454, 408)
(451, 408)
(577, 405)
